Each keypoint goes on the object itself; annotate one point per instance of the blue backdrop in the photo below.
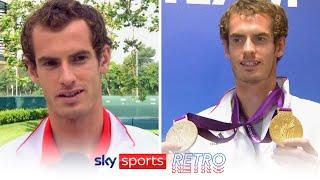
(195, 71)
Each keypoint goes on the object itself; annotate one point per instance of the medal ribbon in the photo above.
(275, 98)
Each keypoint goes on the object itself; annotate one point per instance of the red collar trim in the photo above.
(104, 142)
(51, 154)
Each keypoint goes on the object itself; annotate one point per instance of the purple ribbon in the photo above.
(275, 98)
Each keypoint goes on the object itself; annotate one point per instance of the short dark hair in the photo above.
(251, 7)
(57, 14)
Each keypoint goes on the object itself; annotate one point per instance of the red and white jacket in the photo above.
(27, 151)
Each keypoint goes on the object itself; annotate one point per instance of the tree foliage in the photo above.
(121, 79)
(11, 25)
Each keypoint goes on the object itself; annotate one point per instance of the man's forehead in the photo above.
(72, 38)
(245, 16)
(250, 22)
(73, 25)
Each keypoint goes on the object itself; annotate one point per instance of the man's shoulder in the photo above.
(8, 151)
(207, 111)
(305, 105)
(307, 112)
(296, 103)
(13, 145)
(143, 139)
(140, 134)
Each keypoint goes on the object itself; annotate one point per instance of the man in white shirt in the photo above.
(254, 36)
(66, 50)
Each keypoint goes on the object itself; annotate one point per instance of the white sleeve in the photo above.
(145, 141)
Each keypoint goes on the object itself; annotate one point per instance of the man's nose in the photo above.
(249, 49)
(67, 76)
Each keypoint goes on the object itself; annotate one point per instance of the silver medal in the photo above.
(184, 133)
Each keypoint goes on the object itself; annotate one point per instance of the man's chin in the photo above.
(75, 112)
(251, 79)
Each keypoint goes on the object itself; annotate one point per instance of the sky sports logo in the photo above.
(105, 161)
(134, 161)
(181, 162)
(142, 161)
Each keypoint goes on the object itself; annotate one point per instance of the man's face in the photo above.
(67, 69)
(251, 49)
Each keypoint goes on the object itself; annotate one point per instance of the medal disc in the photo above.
(184, 133)
(285, 126)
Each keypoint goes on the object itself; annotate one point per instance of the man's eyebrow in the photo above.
(46, 58)
(81, 52)
(255, 34)
(263, 34)
(236, 35)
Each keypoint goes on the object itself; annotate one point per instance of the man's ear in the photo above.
(105, 59)
(226, 49)
(280, 47)
(32, 70)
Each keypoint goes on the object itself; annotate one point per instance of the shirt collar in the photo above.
(50, 152)
(223, 110)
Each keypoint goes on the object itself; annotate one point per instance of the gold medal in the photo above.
(184, 133)
(285, 126)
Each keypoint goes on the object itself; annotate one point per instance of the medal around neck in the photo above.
(285, 126)
(184, 133)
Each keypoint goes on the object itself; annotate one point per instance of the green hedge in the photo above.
(19, 115)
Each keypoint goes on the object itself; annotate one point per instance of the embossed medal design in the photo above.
(184, 133)
(285, 126)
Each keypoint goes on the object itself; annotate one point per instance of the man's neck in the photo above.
(252, 95)
(80, 134)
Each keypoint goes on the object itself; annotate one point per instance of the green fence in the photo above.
(130, 110)
(26, 102)
(134, 112)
